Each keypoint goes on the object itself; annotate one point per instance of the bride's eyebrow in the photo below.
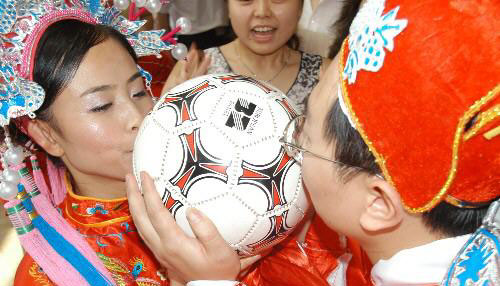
(108, 86)
(97, 89)
(134, 77)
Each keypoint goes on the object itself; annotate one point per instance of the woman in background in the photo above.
(264, 49)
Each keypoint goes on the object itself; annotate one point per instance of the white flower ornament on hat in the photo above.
(369, 34)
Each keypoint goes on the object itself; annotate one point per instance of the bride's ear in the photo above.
(45, 136)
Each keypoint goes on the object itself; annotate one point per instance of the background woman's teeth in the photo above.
(263, 29)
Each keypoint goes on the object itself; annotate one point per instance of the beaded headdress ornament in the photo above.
(22, 25)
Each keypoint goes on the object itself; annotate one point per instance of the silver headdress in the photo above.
(22, 24)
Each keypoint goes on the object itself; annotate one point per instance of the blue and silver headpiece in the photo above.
(21, 26)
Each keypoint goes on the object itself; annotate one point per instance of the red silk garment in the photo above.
(108, 228)
(124, 251)
(310, 263)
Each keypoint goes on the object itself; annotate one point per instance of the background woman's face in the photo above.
(99, 112)
(264, 25)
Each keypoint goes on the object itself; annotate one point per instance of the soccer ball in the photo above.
(212, 143)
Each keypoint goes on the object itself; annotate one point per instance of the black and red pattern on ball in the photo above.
(197, 164)
(290, 111)
(239, 78)
(271, 180)
(270, 239)
(184, 101)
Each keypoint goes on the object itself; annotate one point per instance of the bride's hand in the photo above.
(205, 257)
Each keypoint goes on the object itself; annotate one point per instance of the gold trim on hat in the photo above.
(489, 135)
(466, 205)
(483, 118)
(380, 160)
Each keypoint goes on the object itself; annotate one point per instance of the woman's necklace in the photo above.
(254, 75)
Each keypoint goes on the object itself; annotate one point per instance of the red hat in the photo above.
(420, 82)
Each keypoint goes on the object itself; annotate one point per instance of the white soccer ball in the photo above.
(212, 143)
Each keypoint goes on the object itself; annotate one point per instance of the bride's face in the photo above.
(97, 115)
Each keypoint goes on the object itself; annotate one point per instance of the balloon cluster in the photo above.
(153, 6)
(180, 50)
(182, 25)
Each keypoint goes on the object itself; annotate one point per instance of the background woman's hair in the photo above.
(59, 53)
(351, 149)
(341, 26)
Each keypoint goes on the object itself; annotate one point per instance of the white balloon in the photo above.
(8, 191)
(153, 6)
(179, 52)
(11, 176)
(140, 3)
(185, 24)
(121, 4)
(14, 156)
